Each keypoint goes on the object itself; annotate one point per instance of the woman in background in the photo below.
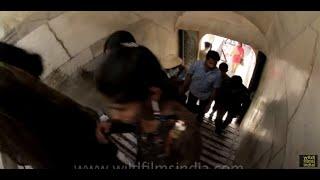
(237, 57)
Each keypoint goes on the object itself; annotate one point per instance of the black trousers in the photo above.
(193, 107)
(221, 111)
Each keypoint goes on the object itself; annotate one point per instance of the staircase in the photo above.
(218, 151)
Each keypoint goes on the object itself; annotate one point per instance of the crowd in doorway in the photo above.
(206, 83)
(157, 103)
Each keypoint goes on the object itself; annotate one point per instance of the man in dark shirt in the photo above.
(236, 101)
(223, 67)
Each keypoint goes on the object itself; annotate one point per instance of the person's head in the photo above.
(236, 81)
(116, 38)
(239, 44)
(131, 78)
(212, 58)
(14, 56)
(207, 45)
(223, 68)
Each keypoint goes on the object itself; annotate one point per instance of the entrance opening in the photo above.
(226, 49)
(193, 48)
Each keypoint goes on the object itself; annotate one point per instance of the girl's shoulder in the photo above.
(186, 148)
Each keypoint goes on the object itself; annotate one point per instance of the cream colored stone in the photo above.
(264, 134)
(283, 85)
(263, 161)
(97, 48)
(262, 19)
(256, 134)
(295, 22)
(54, 14)
(295, 143)
(43, 42)
(277, 161)
(225, 24)
(95, 63)
(273, 35)
(299, 54)
(280, 111)
(33, 21)
(165, 20)
(27, 27)
(316, 24)
(10, 19)
(159, 40)
(303, 134)
(77, 62)
(37, 16)
(78, 30)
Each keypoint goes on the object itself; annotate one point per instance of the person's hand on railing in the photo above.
(103, 128)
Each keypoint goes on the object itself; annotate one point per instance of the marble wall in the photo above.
(68, 40)
(223, 23)
(282, 122)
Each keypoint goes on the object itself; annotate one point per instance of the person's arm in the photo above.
(186, 148)
(211, 98)
(106, 128)
(234, 52)
(213, 94)
(101, 129)
(186, 84)
(216, 85)
(187, 80)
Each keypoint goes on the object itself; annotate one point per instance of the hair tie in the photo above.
(130, 44)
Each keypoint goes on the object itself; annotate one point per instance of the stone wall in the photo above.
(72, 39)
(282, 122)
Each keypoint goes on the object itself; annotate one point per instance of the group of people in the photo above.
(206, 83)
(237, 54)
(46, 129)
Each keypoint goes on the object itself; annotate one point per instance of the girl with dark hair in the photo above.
(140, 93)
(17, 57)
(116, 38)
